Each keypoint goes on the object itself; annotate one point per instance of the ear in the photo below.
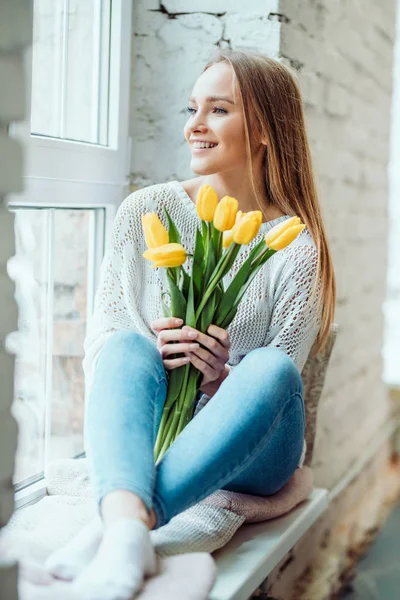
(264, 141)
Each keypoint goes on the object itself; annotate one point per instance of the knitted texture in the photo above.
(204, 527)
(277, 309)
(256, 508)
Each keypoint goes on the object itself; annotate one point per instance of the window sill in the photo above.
(30, 495)
(255, 550)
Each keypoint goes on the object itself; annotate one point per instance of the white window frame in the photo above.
(68, 174)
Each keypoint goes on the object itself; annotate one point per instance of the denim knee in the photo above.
(270, 361)
(135, 343)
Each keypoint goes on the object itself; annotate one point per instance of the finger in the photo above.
(209, 358)
(165, 323)
(174, 335)
(209, 373)
(221, 334)
(173, 363)
(168, 349)
(209, 342)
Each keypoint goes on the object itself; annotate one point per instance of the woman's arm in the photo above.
(115, 306)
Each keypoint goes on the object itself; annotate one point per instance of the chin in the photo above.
(203, 169)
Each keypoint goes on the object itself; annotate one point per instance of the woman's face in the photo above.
(216, 120)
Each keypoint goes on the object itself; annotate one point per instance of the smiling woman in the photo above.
(247, 140)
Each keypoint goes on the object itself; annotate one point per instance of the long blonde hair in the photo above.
(273, 109)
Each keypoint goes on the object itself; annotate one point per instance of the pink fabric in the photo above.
(183, 577)
(258, 508)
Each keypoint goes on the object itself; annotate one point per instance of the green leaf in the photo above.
(208, 312)
(173, 233)
(229, 298)
(211, 257)
(216, 239)
(178, 302)
(185, 282)
(204, 230)
(263, 258)
(190, 312)
(197, 267)
(166, 309)
(257, 250)
(174, 383)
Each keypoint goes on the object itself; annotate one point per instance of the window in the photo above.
(76, 168)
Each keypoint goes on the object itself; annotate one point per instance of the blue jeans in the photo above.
(248, 438)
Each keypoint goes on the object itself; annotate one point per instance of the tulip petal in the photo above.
(206, 202)
(225, 213)
(286, 238)
(248, 227)
(169, 255)
(276, 231)
(154, 231)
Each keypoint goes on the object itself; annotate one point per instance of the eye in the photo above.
(217, 109)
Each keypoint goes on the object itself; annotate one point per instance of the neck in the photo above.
(239, 186)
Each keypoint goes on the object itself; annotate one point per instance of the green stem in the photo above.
(170, 435)
(189, 398)
(166, 420)
(217, 274)
(161, 429)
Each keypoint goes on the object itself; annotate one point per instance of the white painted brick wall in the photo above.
(392, 304)
(15, 35)
(170, 48)
(344, 54)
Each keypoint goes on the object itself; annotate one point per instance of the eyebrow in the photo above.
(214, 99)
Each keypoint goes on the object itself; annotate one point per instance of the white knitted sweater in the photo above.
(275, 310)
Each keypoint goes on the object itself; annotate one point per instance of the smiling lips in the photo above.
(203, 145)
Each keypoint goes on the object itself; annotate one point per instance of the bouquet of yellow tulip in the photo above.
(200, 298)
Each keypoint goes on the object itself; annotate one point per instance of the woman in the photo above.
(247, 139)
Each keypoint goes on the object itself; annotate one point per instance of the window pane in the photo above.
(71, 237)
(70, 69)
(30, 276)
(53, 270)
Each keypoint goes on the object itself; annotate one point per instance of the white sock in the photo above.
(125, 556)
(71, 559)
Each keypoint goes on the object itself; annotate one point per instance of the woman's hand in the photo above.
(209, 356)
(171, 340)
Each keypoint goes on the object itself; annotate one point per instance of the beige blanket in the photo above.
(35, 531)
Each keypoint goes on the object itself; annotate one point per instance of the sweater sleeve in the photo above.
(295, 323)
(115, 306)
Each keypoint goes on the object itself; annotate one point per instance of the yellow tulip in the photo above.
(225, 213)
(276, 231)
(227, 236)
(169, 255)
(286, 237)
(239, 215)
(155, 233)
(206, 202)
(247, 227)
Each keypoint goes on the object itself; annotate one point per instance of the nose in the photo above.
(197, 124)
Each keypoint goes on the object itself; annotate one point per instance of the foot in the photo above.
(68, 562)
(124, 558)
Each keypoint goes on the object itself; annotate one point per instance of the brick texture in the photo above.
(343, 53)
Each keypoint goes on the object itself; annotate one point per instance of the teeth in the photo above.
(203, 145)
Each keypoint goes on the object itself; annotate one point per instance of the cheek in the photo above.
(186, 132)
(232, 135)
